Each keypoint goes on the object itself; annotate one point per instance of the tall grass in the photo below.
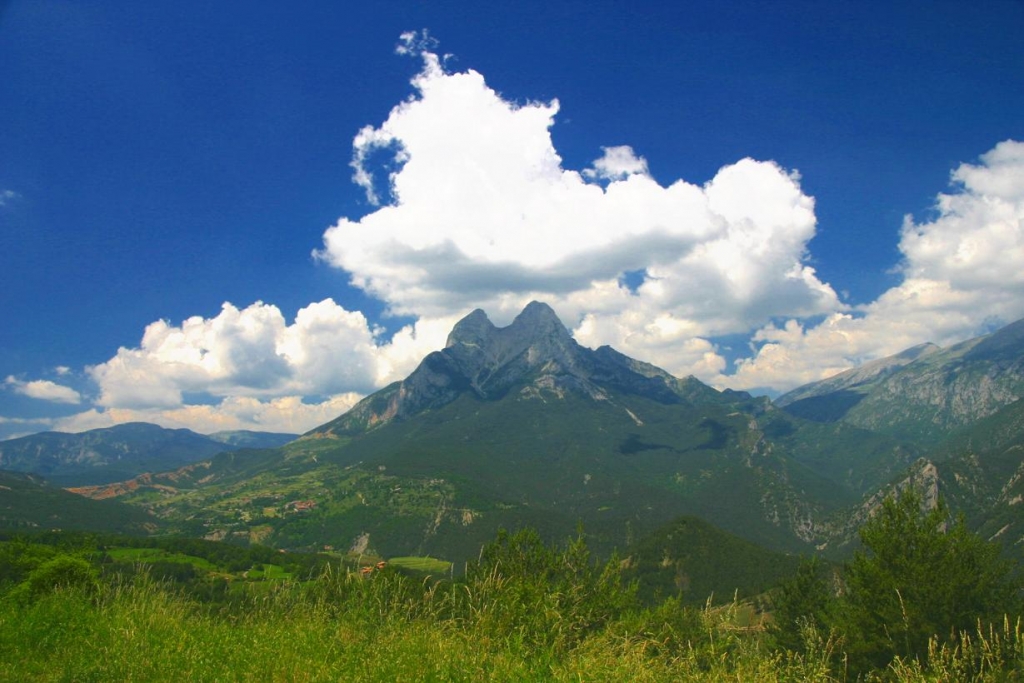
(990, 653)
(494, 626)
(344, 626)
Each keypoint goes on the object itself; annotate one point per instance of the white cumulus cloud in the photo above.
(473, 207)
(44, 390)
(617, 163)
(253, 352)
(962, 275)
(482, 213)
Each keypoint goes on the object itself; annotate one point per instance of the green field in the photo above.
(149, 555)
(269, 572)
(426, 565)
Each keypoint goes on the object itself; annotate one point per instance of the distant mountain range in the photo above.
(121, 452)
(963, 407)
(521, 426)
(925, 393)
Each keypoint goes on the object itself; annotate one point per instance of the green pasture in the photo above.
(427, 565)
(149, 555)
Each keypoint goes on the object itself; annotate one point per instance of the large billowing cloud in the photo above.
(257, 365)
(961, 271)
(482, 213)
(253, 352)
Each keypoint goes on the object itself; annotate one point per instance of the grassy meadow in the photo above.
(389, 628)
(87, 609)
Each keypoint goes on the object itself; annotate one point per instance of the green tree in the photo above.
(806, 600)
(543, 594)
(19, 557)
(59, 572)
(920, 575)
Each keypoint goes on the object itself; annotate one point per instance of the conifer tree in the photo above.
(920, 575)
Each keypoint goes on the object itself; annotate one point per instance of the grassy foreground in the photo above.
(524, 611)
(352, 628)
(346, 627)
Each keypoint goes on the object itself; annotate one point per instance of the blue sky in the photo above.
(718, 188)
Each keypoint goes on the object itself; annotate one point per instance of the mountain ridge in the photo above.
(925, 393)
(114, 453)
(489, 361)
(510, 426)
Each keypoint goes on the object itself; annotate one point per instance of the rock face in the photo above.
(860, 376)
(923, 393)
(493, 359)
(535, 355)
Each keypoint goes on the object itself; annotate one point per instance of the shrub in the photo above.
(803, 602)
(62, 572)
(545, 596)
(921, 575)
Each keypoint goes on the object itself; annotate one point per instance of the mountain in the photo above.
(520, 425)
(829, 399)
(979, 471)
(115, 453)
(535, 355)
(28, 504)
(960, 417)
(246, 438)
(924, 394)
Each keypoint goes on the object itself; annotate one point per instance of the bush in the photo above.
(545, 596)
(921, 575)
(63, 572)
(804, 602)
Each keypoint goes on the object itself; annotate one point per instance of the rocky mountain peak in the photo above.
(538, 320)
(536, 323)
(533, 356)
(481, 352)
(489, 356)
(475, 329)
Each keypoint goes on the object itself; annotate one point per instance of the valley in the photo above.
(517, 427)
(522, 490)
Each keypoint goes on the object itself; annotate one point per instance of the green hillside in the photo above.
(521, 427)
(28, 504)
(444, 481)
(690, 558)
